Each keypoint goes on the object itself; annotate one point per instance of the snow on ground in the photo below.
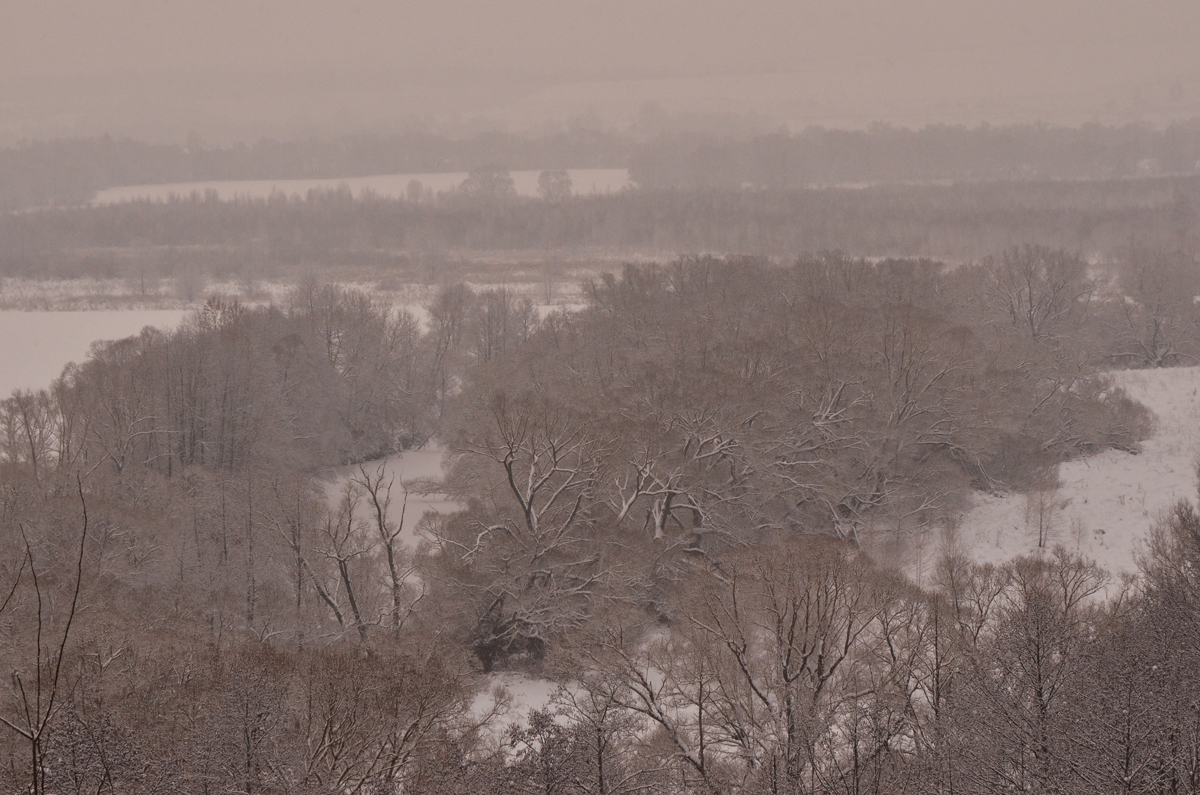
(36, 346)
(524, 694)
(1107, 502)
(86, 293)
(401, 469)
(584, 181)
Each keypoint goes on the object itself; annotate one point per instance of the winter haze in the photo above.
(580, 398)
(242, 70)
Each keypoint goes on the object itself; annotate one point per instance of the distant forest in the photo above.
(70, 171)
(333, 229)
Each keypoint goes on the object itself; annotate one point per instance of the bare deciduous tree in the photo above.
(1043, 292)
(37, 687)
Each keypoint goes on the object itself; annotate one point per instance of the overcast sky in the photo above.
(61, 59)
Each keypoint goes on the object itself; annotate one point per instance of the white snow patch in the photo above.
(584, 181)
(1108, 502)
(401, 470)
(512, 697)
(526, 693)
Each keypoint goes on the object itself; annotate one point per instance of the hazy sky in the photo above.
(76, 62)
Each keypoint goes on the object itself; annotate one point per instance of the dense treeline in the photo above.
(961, 222)
(796, 667)
(70, 171)
(718, 401)
(938, 152)
(333, 378)
(673, 501)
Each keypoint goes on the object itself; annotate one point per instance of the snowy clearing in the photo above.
(1107, 502)
(524, 693)
(584, 181)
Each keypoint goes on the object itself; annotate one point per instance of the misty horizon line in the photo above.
(715, 125)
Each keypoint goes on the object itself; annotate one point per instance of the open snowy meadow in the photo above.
(1107, 502)
(584, 181)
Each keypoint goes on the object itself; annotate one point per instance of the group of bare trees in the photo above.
(796, 665)
(333, 377)
(702, 406)
(799, 666)
(670, 500)
(1139, 309)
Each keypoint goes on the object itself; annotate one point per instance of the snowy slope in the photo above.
(1107, 502)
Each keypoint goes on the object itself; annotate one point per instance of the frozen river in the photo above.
(36, 346)
(403, 468)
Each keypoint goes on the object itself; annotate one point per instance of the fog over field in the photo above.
(236, 71)
(628, 398)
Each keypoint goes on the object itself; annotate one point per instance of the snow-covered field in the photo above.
(1107, 502)
(36, 346)
(585, 181)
